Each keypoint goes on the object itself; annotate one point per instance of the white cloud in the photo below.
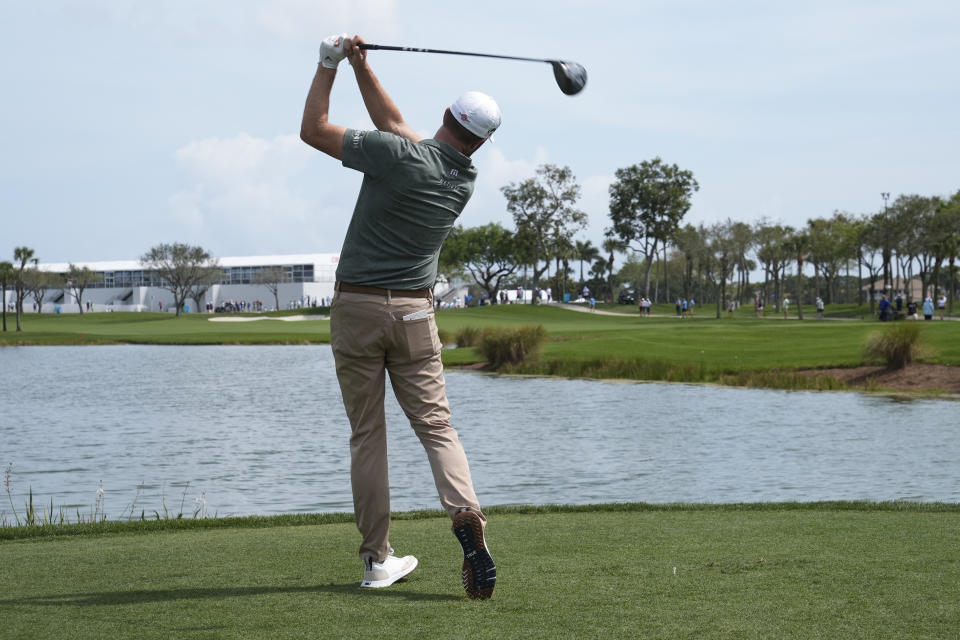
(242, 184)
(310, 21)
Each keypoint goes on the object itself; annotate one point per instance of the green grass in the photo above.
(165, 328)
(720, 346)
(843, 570)
(721, 350)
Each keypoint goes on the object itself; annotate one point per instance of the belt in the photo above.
(346, 287)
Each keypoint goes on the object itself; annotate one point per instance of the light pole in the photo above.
(886, 196)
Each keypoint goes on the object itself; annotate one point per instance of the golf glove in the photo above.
(331, 50)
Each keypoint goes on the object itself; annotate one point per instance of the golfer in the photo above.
(382, 316)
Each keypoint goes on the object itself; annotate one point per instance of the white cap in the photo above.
(477, 112)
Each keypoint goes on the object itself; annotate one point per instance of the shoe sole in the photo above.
(479, 574)
(379, 584)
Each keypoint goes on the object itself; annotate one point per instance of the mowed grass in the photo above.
(730, 345)
(166, 328)
(741, 343)
(622, 571)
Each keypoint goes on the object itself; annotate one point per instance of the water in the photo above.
(261, 430)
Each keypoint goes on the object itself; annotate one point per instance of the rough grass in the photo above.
(897, 345)
(511, 345)
(831, 570)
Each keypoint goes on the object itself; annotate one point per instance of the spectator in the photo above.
(912, 309)
(928, 308)
(884, 307)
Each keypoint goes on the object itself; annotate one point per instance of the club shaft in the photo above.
(386, 47)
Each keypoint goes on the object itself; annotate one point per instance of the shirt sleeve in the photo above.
(372, 152)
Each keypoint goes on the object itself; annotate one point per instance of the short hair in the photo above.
(459, 131)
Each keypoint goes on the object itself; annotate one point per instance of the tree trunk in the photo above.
(800, 287)
(859, 279)
(646, 276)
(953, 281)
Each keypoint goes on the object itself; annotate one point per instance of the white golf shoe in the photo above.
(384, 574)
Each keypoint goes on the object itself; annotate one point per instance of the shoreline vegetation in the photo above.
(735, 350)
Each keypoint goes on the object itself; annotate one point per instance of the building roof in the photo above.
(316, 259)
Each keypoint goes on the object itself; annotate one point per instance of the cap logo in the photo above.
(464, 117)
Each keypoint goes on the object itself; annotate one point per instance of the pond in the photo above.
(261, 430)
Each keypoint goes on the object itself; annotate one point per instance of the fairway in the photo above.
(741, 343)
(622, 571)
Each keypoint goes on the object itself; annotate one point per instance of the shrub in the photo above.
(511, 346)
(467, 337)
(445, 336)
(897, 345)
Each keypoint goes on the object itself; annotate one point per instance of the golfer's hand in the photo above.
(355, 55)
(332, 50)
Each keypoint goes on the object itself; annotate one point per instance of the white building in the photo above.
(125, 285)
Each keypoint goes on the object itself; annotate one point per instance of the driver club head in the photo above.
(571, 77)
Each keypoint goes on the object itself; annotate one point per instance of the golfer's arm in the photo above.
(384, 113)
(315, 129)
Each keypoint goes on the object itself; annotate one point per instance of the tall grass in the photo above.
(468, 336)
(511, 346)
(49, 515)
(897, 345)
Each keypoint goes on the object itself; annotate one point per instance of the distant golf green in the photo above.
(705, 344)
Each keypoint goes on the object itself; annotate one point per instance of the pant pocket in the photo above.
(421, 337)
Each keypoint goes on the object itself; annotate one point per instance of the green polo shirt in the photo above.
(411, 196)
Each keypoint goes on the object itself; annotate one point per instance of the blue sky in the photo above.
(126, 124)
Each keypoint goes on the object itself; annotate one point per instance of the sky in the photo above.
(130, 123)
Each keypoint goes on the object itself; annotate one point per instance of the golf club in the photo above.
(571, 77)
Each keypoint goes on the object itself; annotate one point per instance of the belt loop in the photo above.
(389, 296)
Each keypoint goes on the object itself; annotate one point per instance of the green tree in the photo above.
(723, 246)
(78, 279)
(945, 231)
(181, 268)
(773, 255)
(543, 210)
(911, 217)
(7, 276)
(798, 243)
(689, 241)
(487, 253)
(23, 256)
(585, 252)
(38, 283)
(741, 234)
(647, 203)
(612, 245)
(827, 252)
(271, 278)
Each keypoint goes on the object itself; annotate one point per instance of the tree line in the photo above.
(914, 237)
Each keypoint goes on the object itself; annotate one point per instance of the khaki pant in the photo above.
(370, 337)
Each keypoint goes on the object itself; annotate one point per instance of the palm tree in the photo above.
(798, 244)
(23, 255)
(611, 245)
(585, 251)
